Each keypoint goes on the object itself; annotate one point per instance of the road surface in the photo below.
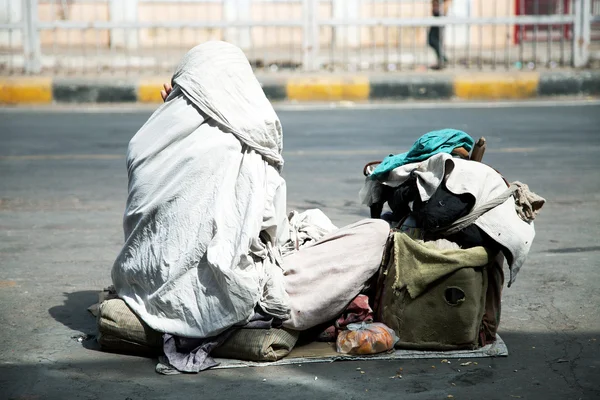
(62, 193)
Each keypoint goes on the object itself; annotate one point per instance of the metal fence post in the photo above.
(31, 38)
(582, 33)
(310, 35)
(346, 10)
(586, 35)
(123, 12)
(234, 11)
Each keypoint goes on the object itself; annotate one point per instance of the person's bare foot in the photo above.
(165, 92)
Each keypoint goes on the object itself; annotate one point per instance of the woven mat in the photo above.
(319, 352)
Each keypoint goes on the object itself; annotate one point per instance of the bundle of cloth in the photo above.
(209, 246)
(435, 192)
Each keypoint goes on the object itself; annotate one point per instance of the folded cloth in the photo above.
(323, 277)
(418, 264)
(305, 228)
(192, 355)
(442, 141)
(527, 203)
(501, 223)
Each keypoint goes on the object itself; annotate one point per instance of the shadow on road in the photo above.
(73, 312)
(557, 365)
(540, 366)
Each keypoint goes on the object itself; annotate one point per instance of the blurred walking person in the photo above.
(435, 36)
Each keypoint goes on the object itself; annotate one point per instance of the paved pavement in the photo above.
(62, 193)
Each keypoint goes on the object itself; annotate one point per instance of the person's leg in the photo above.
(431, 37)
(433, 40)
(323, 278)
(443, 58)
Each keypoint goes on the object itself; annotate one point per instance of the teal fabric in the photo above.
(442, 141)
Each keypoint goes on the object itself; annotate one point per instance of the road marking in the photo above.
(425, 105)
(385, 152)
(334, 152)
(129, 108)
(513, 150)
(5, 284)
(36, 157)
(293, 153)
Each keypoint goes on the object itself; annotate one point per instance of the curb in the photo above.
(432, 86)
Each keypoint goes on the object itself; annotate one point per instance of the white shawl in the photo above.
(204, 184)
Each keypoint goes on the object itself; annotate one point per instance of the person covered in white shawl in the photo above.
(204, 189)
(206, 221)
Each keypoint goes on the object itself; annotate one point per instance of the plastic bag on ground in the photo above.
(366, 338)
(357, 311)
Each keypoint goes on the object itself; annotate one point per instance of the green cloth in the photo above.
(418, 264)
(442, 141)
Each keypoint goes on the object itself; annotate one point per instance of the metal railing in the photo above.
(65, 37)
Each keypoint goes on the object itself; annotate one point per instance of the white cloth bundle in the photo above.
(204, 186)
(501, 223)
(306, 228)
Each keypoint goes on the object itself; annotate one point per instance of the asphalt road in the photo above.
(62, 193)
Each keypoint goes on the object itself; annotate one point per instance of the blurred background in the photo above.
(148, 37)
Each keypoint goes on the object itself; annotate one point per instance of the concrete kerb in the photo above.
(93, 91)
(418, 87)
(583, 83)
(318, 88)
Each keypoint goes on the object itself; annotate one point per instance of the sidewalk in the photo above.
(78, 61)
(319, 87)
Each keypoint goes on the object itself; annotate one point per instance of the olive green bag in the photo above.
(438, 299)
